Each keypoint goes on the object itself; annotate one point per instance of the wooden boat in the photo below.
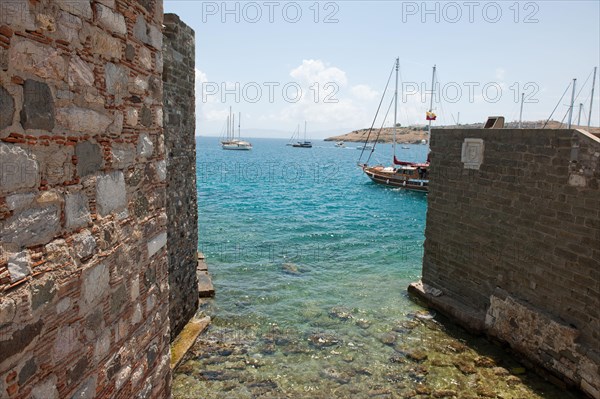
(402, 174)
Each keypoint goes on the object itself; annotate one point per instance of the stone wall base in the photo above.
(546, 342)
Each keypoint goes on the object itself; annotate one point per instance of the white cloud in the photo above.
(500, 72)
(316, 71)
(364, 92)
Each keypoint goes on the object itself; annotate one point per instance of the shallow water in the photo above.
(311, 261)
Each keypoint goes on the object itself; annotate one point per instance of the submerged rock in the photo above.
(416, 355)
(340, 313)
(363, 323)
(465, 367)
(322, 340)
(290, 268)
(388, 338)
(333, 374)
(444, 393)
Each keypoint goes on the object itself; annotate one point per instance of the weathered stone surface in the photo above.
(145, 148)
(18, 169)
(80, 72)
(129, 52)
(161, 170)
(17, 15)
(19, 266)
(117, 78)
(140, 30)
(82, 120)
(104, 44)
(110, 19)
(132, 117)
(80, 8)
(45, 390)
(69, 26)
(84, 244)
(8, 311)
(42, 293)
(95, 283)
(146, 116)
(55, 163)
(177, 91)
(27, 371)
(19, 201)
(7, 108)
(77, 213)
(123, 155)
(87, 390)
(155, 244)
(31, 226)
(118, 299)
(111, 193)
(89, 156)
(145, 57)
(38, 106)
(20, 339)
(33, 57)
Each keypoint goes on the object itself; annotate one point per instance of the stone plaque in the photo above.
(472, 153)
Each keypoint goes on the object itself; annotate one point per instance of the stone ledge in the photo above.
(186, 338)
(205, 285)
(469, 319)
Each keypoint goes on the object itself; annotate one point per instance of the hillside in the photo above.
(414, 134)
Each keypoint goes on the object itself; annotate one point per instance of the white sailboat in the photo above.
(231, 143)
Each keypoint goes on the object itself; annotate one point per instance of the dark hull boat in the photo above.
(401, 174)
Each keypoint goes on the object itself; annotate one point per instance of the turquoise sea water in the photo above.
(310, 262)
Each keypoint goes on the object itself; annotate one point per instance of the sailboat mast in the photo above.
(396, 103)
(521, 113)
(229, 125)
(592, 97)
(572, 103)
(431, 101)
(239, 125)
(304, 130)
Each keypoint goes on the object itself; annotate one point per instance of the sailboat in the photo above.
(231, 143)
(305, 143)
(408, 175)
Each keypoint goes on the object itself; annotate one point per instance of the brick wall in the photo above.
(514, 246)
(180, 143)
(83, 261)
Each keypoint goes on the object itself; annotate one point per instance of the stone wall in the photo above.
(513, 245)
(83, 260)
(180, 128)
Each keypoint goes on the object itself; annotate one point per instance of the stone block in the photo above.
(18, 15)
(84, 244)
(110, 19)
(111, 193)
(20, 339)
(79, 8)
(80, 73)
(42, 293)
(19, 201)
(89, 158)
(117, 79)
(69, 26)
(7, 108)
(105, 45)
(77, 213)
(146, 116)
(145, 148)
(140, 31)
(83, 120)
(156, 243)
(19, 266)
(95, 283)
(27, 371)
(32, 226)
(123, 155)
(43, 61)
(55, 163)
(46, 389)
(38, 106)
(161, 170)
(18, 169)
(87, 390)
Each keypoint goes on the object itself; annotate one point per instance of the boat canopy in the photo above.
(414, 164)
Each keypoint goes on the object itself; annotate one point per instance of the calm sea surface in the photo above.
(310, 262)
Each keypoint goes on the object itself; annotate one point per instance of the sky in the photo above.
(280, 63)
